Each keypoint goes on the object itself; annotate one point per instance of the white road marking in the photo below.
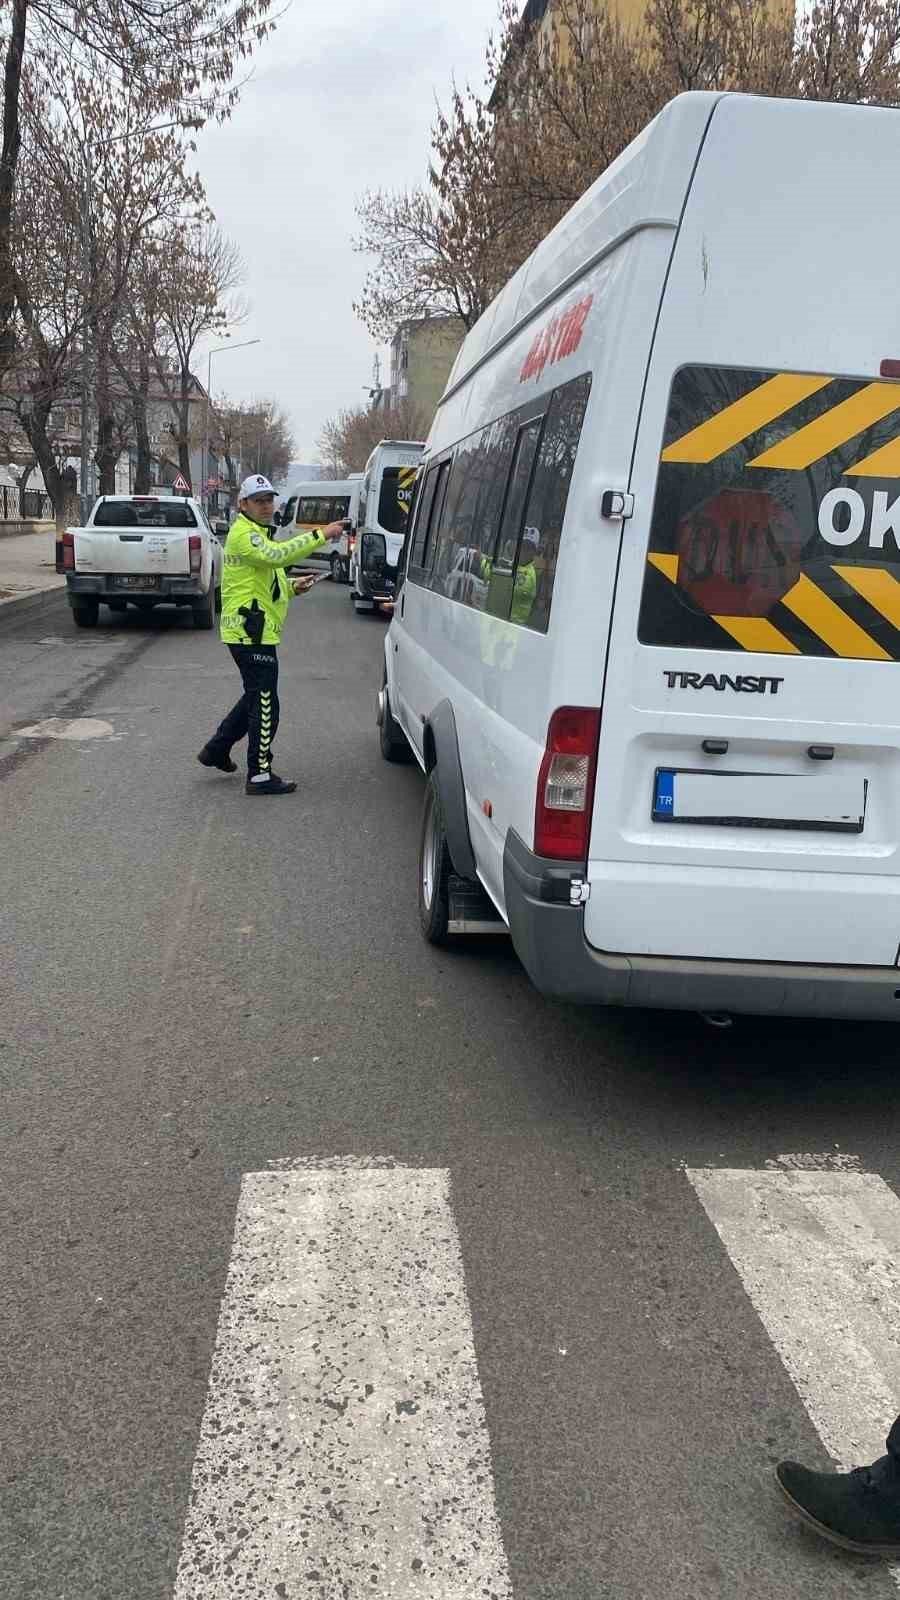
(344, 1447)
(819, 1256)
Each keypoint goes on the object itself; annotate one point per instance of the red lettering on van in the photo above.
(560, 338)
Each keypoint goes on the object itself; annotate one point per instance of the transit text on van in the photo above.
(720, 681)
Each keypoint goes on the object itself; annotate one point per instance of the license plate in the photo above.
(138, 581)
(824, 802)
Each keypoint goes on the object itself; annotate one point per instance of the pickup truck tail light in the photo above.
(565, 788)
(194, 546)
(65, 553)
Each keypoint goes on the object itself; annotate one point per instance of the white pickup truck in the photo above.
(142, 550)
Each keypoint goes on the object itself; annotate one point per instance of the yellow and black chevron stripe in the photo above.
(795, 436)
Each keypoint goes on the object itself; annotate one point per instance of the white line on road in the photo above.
(344, 1447)
(819, 1256)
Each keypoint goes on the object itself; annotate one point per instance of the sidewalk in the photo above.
(28, 576)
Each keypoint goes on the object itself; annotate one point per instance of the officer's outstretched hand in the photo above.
(332, 531)
(302, 585)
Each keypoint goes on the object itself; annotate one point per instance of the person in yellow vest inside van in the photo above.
(256, 594)
(526, 582)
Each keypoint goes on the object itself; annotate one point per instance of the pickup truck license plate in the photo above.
(136, 581)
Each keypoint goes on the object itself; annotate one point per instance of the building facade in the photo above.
(422, 352)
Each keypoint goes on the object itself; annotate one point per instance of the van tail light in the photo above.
(565, 790)
(351, 542)
(195, 550)
(65, 553)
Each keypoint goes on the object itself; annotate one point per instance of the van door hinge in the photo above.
(617, 505)
(579, 892)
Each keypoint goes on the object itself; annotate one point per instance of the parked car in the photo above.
(663, 746)
(145, 551)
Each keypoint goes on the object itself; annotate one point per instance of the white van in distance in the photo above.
(651, 595)
(314, 505)
(387, 492)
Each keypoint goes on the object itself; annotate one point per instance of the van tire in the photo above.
(391, 738)
(85, 613)
(336, 570)
(204, 615)
(434, 869)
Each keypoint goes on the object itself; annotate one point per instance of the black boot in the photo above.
(858, 1510)
(214, 758)
(272, 785)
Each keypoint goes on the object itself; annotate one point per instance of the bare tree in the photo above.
(347, 440)
(256, 433)
(200, 270)
(562, 101)
(179, 58)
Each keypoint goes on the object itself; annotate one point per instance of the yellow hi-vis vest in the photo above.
(254, 570)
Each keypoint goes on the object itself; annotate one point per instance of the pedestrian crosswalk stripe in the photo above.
(344, 1446)
(819, 1256)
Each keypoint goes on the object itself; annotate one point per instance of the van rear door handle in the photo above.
(821, 752)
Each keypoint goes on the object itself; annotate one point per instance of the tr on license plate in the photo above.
(137, 582)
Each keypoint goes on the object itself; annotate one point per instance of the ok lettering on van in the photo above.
(776, 519)
(558, 339)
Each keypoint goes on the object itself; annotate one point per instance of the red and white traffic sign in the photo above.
(181, 485)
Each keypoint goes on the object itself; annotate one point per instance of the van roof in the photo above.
(643, 188)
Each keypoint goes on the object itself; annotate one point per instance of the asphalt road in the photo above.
(194, 986)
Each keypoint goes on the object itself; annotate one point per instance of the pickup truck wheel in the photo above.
(86, 613)
(204, 615)
(434, 869)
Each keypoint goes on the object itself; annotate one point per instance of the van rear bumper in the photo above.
(548, 935)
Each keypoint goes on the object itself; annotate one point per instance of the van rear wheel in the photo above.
(434, 869)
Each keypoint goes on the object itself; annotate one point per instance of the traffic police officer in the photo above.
(255, 597)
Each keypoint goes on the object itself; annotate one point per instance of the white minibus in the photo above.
(387, 492)
(313, 505)
(650, 601)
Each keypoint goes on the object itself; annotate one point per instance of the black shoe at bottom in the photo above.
(857, 1510)
(208, 758)
(272, 785)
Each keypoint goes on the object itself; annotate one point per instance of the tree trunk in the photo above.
(143, 472)
(107, 452)
(9, 157)
(184, 433)
(35, 424)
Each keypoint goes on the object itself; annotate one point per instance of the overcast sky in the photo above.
(342, 99)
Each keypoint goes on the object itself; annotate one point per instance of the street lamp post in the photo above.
(245, 343)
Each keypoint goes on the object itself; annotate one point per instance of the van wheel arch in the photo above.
(440, 751)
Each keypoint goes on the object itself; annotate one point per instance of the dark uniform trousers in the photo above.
(256, 714)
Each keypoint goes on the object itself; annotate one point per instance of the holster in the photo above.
(254, 621)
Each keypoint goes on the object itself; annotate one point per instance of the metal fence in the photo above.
(18, 505)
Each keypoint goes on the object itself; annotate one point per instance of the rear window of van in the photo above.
(395, 499)
(776, 519)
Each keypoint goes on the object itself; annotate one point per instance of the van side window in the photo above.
(458, 528)
(538, 547)
(287, 515)
(498, 571)
(423, 517)
(444, 521)
(437, 512)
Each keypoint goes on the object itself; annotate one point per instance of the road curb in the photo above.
(24, 603)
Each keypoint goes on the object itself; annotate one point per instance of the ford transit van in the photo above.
(650, 604)
(386, 497)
